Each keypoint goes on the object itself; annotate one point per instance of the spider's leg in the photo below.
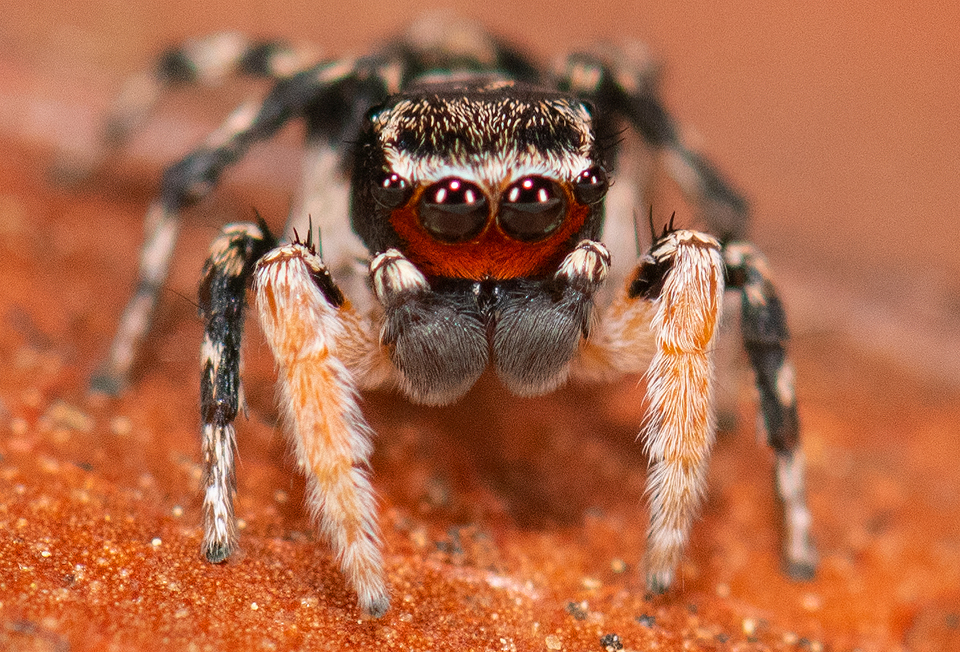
(308, 325)
(764, 337)
(668, 311)
(193, 177)
(684, 278)
(442, 40)
(623, 84)
(323, 203)
(226, 276)
(208, 61)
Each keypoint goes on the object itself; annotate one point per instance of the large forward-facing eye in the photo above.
(453, 210)
(391, 191)
(532, 208)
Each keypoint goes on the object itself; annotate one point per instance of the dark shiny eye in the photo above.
(591, 185)
(391, 191)
(453, 210)
(532, 208)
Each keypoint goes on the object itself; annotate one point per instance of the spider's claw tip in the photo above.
(104, 382)
(377, 608)
(217, 553)
(659, 583)
(801, 571)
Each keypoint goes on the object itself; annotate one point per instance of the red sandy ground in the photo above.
(509, 523)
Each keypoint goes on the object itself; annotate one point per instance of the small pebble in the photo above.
(591, 583)
(121, 426)
(812, 602)
(611, 643)
(578, 610)
(647, 620)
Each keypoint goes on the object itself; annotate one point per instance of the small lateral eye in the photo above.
(453, 210)
(591, 185)
(532, 208)
(391, 191)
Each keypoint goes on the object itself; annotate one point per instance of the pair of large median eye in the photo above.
(454, 210)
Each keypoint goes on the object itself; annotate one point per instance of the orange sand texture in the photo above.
(510, 524)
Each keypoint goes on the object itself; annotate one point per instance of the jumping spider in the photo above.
(460, 195)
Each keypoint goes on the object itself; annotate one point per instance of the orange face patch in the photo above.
(491, 253)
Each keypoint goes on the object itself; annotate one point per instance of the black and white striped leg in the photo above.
(191, 179)
(114, 372)
(207, 61)
(226, 276)
(623, 83)
(764, 337)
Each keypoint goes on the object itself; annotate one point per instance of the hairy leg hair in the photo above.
(305, 320)
(664, 322)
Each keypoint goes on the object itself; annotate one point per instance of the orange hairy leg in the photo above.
(664, 322)
(302, 316)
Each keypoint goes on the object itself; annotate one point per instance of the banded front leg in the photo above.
(222, 298)
(765, 336)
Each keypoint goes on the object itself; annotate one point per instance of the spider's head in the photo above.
(479, 179)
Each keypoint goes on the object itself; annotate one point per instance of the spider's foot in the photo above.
(801, 571)
(376, 607)
(801, 564)
(366, 576)
(107, 382)
(217, 553)
(799, 552)
(659, 582)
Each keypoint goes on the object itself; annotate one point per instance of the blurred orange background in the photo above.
(840, 120)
